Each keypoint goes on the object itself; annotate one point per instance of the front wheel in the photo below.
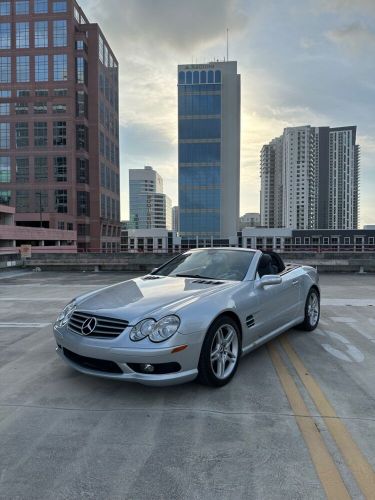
(312, 311)
(220, 353)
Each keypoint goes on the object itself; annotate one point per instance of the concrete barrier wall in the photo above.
(325, 262)
(10, 259)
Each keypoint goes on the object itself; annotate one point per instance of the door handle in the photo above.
(295, 282)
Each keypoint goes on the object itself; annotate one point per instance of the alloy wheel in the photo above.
(224, 351)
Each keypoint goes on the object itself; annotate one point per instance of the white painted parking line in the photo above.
(353, 323)
(343, 319)
(5, 275)
(24, 325)
(33, 299)
(348, 302)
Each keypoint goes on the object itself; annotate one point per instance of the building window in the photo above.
(60, 169)
(22, 35)
(59, 108)
(41, 169)
(77, 17)
(4, 135)
(83, 203)
(40, 6)
(22, 7)
(81, 103)
(22, 169)
(5, 197)
(22, 201)
(60, 67)
(22, 135)
(41, 34)
(82, 171)
(40, 108)
(59, 7)
(59, 133)
(21, 108)
(101, 49)
(23, 68)
(5, 36)
(4, 108)
(41, 68)
(82, 137)
(5, 70)
(41, 93)
(60, 33)
(23, 93)
(61, 225)
(81, 70)
(40, 134)
(4, 8)
(5, 93)
(4, 169)
(61, 201)
(60, 92)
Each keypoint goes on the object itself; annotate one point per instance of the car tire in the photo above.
(312, 311)
(220, 354)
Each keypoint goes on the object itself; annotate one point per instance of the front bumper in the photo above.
(124, 356)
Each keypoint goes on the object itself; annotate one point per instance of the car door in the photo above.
(277, 303)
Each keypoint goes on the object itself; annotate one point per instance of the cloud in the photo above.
(339, 6)
(175, 26)
(355, 37)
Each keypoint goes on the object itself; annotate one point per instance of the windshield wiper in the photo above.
(193, 276)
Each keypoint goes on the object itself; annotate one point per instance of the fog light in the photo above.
(147, 368)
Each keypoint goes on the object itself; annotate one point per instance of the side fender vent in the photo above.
(250, 321)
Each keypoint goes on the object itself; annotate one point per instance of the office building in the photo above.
(310, 179)
(176, 219)
(209, 103)
(249, 220)
(59, 147)
(149, 207)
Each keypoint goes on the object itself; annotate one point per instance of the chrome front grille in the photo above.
(106, 328)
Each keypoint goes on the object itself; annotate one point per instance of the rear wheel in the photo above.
(312, 311)
(220, 353)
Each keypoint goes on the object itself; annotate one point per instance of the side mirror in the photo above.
(270, 279)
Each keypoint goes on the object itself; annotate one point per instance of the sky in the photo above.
(309, 62)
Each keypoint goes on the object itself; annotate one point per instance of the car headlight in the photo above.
(64, 316)
(156, 331)
(142, 330)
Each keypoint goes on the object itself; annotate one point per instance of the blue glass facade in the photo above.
(199, 152)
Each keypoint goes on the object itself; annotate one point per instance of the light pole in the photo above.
(38, 193)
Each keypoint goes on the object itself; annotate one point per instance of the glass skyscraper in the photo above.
(209, 149)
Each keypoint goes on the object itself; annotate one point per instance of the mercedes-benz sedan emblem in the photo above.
(88, 326)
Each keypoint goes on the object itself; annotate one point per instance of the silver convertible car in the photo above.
(194, 317)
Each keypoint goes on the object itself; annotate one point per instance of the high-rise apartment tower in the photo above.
(209, 103)
(310, 179)
(59, 127)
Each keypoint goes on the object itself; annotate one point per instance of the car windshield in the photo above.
(209, 264)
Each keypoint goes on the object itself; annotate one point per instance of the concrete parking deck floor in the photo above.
(64, 435)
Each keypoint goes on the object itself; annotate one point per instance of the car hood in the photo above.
(144, 297)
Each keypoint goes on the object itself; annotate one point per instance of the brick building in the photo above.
(59, 128)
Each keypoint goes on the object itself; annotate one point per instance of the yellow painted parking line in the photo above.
(354, 458)
(326, 468)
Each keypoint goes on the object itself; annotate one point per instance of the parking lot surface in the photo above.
(297, 421)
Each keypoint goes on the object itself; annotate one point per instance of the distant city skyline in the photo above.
(301, 63)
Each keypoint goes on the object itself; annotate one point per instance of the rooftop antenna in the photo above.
(227, 44)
